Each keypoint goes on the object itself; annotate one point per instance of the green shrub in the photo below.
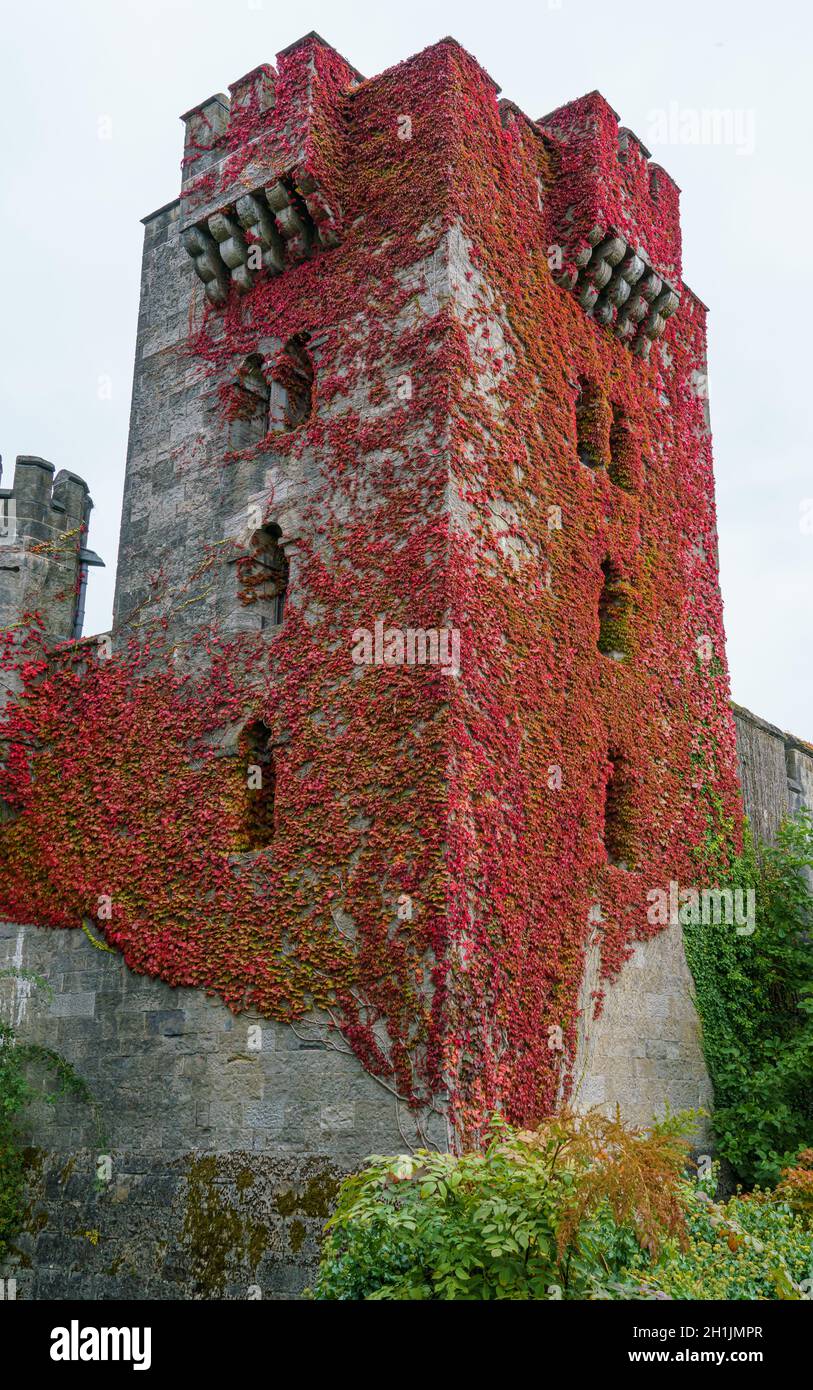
(553, 1213)
(751, 1247)
(796, 1185)
(579, 1209)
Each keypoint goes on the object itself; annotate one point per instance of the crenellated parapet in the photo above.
(613, 223)
(44, 559)
(263, 168)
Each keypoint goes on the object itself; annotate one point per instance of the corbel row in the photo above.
(618, 287)
(269, 229)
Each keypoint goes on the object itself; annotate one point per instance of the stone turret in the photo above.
(44, 561)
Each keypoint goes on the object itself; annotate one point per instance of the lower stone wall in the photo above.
(644, 1052)
(214, 1145)
(208, 1226)
(207, 1162)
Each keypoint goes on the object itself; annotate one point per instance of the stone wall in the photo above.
(644, 1051)
(226, 1136)
(776, 771)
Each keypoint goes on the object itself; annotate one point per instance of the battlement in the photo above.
(44, 519)
(614, 216)
(266, 170)
(44, 500)
(263, 168)
(281, 100)
(606, 178)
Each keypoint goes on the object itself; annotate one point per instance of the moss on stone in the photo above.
(218, 1237)
(67, 1171)
(286, 1202)
(316, 1200)
(320, 1195)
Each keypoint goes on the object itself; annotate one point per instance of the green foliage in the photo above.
(16, 1090)
(755, 999)
(13, 1096)
(579, 1209)
(555, 1213)
(750, 1247)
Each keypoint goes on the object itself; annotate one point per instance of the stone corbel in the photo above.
(233, 249)
(203, 249)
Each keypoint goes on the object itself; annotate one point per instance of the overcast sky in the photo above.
(92, 142)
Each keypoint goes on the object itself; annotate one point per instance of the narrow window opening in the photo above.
(249, 405)
(623, 471)
(292, 386)
(260, 781)
(588, 424)
(614, 610)
(263, 575)
(618, 827)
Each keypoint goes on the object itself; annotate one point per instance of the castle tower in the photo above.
(420, 685)
(380, 383)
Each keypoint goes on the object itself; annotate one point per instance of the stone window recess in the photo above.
(618, 830)
(249, 404)
(271, 394)
(614, 611)
(268, 230)
(263, 575)
(587, 424)
(625, 465)
(292, 377)
(257, 756)
(617, 286)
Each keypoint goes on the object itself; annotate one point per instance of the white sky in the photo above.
(70, 233)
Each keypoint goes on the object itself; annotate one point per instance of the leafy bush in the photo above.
(755, 999)
(551, 1213)
(579, 1209)
(796, 1185)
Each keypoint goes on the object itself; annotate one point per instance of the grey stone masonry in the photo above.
(233, 1226)
(44, 518)
(210, 1152)
(173, 1070)
(776, 772)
